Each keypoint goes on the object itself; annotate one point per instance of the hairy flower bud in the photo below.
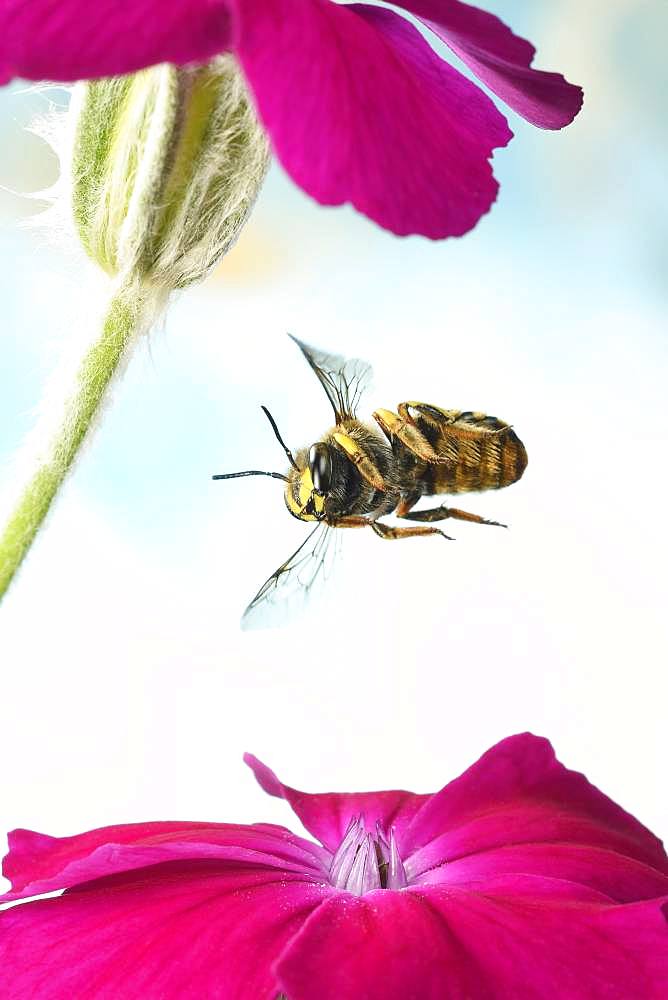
(166, 166)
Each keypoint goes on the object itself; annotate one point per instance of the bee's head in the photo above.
(309, 483)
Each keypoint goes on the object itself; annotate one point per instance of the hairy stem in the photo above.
(126, 316)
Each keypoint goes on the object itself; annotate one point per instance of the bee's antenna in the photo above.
(251, 472)
(280, 439)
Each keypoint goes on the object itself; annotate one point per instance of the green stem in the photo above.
(125, 317)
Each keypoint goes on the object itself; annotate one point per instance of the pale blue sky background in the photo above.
(130, 693)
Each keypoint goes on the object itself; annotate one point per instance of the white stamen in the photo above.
(396, 874)
(364, 862)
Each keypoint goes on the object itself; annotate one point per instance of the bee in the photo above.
(358, 473)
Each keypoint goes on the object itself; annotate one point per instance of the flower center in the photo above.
(364, 862)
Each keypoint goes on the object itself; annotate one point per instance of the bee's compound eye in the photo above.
(320, 466)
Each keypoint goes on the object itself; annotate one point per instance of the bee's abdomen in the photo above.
(479, 453)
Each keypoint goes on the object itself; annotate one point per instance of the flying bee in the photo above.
(358, 473)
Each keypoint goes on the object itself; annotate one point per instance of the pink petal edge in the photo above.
(501, 60)
(37, 863)
(326, 815)
(519, 792)
(71, 40)
(360, 109)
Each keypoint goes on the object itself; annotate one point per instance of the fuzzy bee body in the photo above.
(349, 493)
(481, 453)
(420, 451)
(358, 473)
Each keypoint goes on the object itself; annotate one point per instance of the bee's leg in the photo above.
(436, 417)
(433, 415)
(350, 521)
(391, 533)
(366, 467)
(406, 503)
(384, 530)
(440, 514)
(403, 428)
(441, 421)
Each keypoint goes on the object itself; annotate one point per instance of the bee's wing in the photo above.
(343, 380)
(286, 591)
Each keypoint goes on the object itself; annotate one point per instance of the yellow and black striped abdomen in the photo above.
(477, 451)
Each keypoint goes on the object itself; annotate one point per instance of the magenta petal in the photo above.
(186, 930)
(360, 109)
(327, 815)
(501, 60)
(37, 863)
(539, 941)
(383, 946)
(529, 938)
(518, 792)
(73, 40)
(618, 878)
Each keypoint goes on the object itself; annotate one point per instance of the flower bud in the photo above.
(166, 166)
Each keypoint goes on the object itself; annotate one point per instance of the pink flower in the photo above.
(519, 879)
(358, 105)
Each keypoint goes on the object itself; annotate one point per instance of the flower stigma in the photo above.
(363, 862)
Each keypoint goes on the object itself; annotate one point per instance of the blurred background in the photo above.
(129, 691)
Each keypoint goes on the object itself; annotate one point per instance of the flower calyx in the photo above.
(166, 166)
